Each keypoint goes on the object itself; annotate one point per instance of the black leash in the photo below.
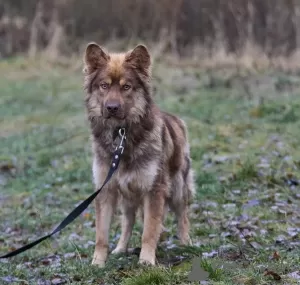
(80, 208)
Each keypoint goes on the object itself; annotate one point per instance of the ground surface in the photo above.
(244, 136)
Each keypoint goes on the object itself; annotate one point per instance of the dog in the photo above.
(155, 172)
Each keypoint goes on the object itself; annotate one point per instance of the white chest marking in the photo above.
(138, 179)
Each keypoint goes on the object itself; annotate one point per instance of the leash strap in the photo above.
(83, 205)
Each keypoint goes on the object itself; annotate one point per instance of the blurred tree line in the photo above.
(61, 26)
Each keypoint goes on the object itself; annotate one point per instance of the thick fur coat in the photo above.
(155, 172)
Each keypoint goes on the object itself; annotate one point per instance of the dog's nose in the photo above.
(112, 107)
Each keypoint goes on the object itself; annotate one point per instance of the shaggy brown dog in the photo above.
(155, 170)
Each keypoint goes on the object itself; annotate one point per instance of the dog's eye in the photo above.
(126, 87)
(104, 85)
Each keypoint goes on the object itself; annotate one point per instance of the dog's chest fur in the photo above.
(136, 181)
(139, 164)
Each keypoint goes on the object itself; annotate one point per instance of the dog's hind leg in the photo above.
(183, 224)
(183, 190)
(128, 219)
(140, 215)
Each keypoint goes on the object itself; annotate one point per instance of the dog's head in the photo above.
(117, 85)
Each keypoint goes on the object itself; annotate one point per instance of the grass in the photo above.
(244, 137)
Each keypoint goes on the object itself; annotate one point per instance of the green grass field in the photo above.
(245, 142)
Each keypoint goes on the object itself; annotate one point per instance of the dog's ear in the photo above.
(94, 57)
(139, 58)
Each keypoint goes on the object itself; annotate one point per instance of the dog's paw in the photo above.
(147, 262)
(187, 241)
(118, 250)
(147, 255)
(147, 259)
(98, 261)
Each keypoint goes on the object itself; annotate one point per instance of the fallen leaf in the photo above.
(86, 215)
(77, 278)
(294, 275)
(292, 232)
(33, 214)
(10, 279)
(69, 255)
(255, 245)
(57, 281)
(229, 206)
(210, 254)
(280, 239)
(43, 282)
(273, 274)
(276, 255)
(46, 261)
(251, 203)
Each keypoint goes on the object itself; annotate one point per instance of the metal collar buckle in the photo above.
(123, 138)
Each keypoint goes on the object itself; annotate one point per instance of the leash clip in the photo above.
(123, 138)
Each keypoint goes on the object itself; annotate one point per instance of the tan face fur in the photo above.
(116, 83)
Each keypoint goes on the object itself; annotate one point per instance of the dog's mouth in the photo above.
(115, 117)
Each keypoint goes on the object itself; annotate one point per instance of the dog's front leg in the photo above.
(105, 205)
(154, 202)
